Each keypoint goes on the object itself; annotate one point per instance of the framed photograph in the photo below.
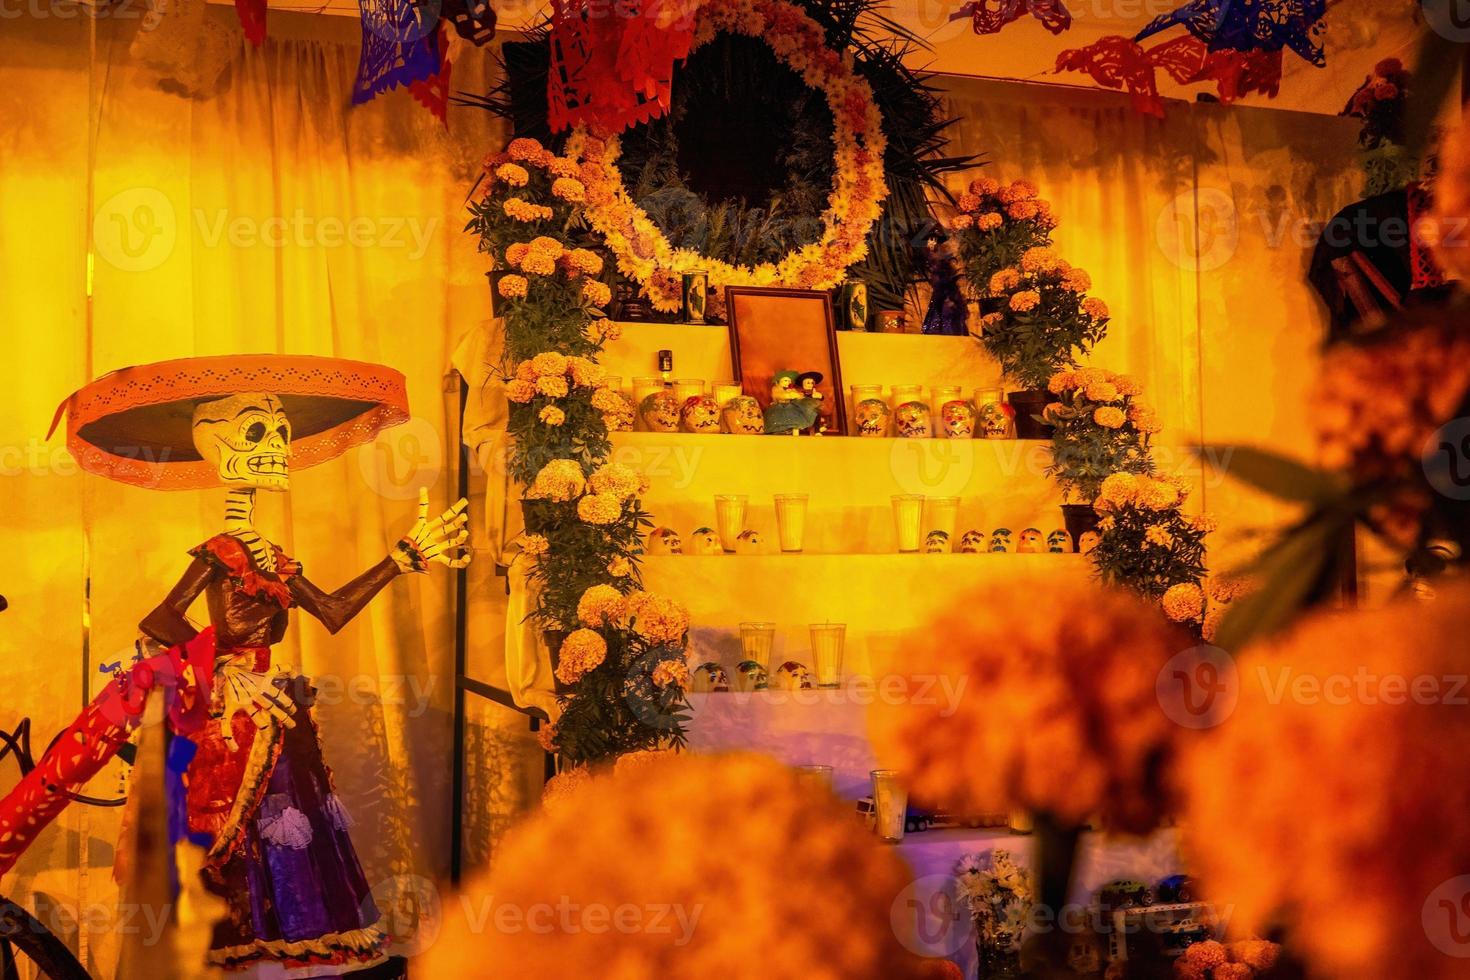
(786, 332)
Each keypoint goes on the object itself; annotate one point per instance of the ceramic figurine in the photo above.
(664, 541)
(972, 543)
(1086, 541)
(749, 542)
(936, 543)
(913, 420)
(701, 415)
(792, 410)
(1000, 541)
(947, 314)
(742, 416)
(793, 676)
(660, 411)
(872, 417)
(709, 678)
(993, 420)
(1059, 542)
(705, 541)
(958, 418)
(1031, 543)
(750, 676)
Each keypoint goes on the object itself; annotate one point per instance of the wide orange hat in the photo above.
(135, 425)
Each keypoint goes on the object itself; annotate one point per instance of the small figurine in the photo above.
(749, 542)
(936, 543)
(1059, 542)
(791, 411)
(750, 676)
(1031, 543)
(1000, 541)
(913, 420)
(664, 541)
(972, 543)
(1086, 541)
(958, 418)
(704, 541)
(872, 417)
(709, 678)
(947, 314)
(793, 676)
(660, 411)
(742, 416)
(701, 415)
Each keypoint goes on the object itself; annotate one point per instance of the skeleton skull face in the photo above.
(248, 438)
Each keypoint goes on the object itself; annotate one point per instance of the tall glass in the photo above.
(943, 512)
(730, 519)
(908, 520)
(756, 641)
(828, 640)
(725, 391)
(903, 394)
(890, 805)
(687, 388)
(942, 394)
(791, 519)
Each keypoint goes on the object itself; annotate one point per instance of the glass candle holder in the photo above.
(890, 805)
(814, 776)
(903, 394)
(828, 641)
(730, 519)
(687, 388)
(908, 521)
(943, 511)
(757, 641)
(791, 520)
(940, 394)
(861, 393)
(993, 421)
(725, 391)
(642, 388)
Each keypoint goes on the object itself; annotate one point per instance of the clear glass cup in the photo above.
(943, 512)
(861, 393)
(730, 518)
(908, 521)
(814, 776)
(903, 394)
(942, 394)
(890, 805)
(613, 382)
(642, 388)
(725, 391)
(756, 642)
(828, 641)
(687, 388)
(791, 520)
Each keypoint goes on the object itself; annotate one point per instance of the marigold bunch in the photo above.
(657, 619)
(600, 509)
(581, 653)
(1094, 431)
(559, 480)
(617, 480)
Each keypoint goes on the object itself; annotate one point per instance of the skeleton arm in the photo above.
(337, 609)
(169, 624)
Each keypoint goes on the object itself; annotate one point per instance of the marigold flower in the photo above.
(968, 202)
(1023, 210)
(1004, 281)
(584, 372)
(516, 252)
(585, 261)
(513, 174)
(1184, 602)
(989, 221)
(1025, 301)
(607, 400)
(961, 222)
(559, 480)
(1109, 417)
(599, 508)
(535, 544)
(600, 605)
(1258, 954)
(538, 263)
(671, 672)
(1077, 280)
(582, 652)
(520, 391)
(512, 286)
(984, 186)
(549, 362)
(617, 480)
(552, 386)
(1102, 391)
(524, 211)
(569, 189)
(596, 293)
(1042, 258)
(1061, 381)
(551, 415)
(1127, 386)
(524, 148)
(1206, 955)
(546, 738)
(550, 247)
(620, 567)
(1118, 489)
(1095, 308)
(1155, 494)
(658, 619)
(557, 791)
(1159, 536)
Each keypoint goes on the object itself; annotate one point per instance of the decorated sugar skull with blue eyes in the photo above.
(709, 678)
(1059, 542)
(1000, 541)
(793, 676)
(704, 541)
(248, 438)
(936, 543)
(750, 676)
(972, 543)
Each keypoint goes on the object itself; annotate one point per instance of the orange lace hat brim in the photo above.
(135, 425)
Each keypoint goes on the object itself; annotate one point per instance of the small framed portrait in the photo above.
(783, 345)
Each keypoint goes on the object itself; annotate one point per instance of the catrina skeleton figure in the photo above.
(257, 792)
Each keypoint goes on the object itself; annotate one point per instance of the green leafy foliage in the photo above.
(1084, 451)
(1126, 555)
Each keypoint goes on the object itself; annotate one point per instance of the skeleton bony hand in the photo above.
(261, 696)
(439, 540)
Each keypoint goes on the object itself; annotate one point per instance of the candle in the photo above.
(890, 805)
(908, 514)
(791, 519)
(828, 640)
(730, 519)
(756, 640)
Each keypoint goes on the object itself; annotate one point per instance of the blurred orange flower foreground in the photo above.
(1055, 705)
(684, 866)
(1336, 799)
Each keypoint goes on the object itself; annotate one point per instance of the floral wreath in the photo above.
(644, 253)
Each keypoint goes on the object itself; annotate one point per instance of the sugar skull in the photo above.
(750, 676)
(1086, 541)
(936, 543)
(742, 416)
(704, 541)
(1031, 543)
(749, 542)
(994, 421)
(872, 417)
(660, 412)
(959, 419)
(1059, 542)
(793, 676)
(709, 678)
(701, 415)
(913, 420)
(972, 543)
(1000, 541)
(664, 541)
(248, 439)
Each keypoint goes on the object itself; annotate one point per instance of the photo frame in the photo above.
(774, 330)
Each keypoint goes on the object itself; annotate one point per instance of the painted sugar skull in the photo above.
(1031, 543)
(936, 543)
(1059, 542)
(1000, 541)
(1087, 541)
(709, 678)
(750, 542)
(913, 420)
(872, 417)
(664, 541)
(750, 676)
(705, 541)
(248, 438)
(742, 416)
(972, 543)
(660, 412)
(701, 415)
(793, 676)
(958, 418)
